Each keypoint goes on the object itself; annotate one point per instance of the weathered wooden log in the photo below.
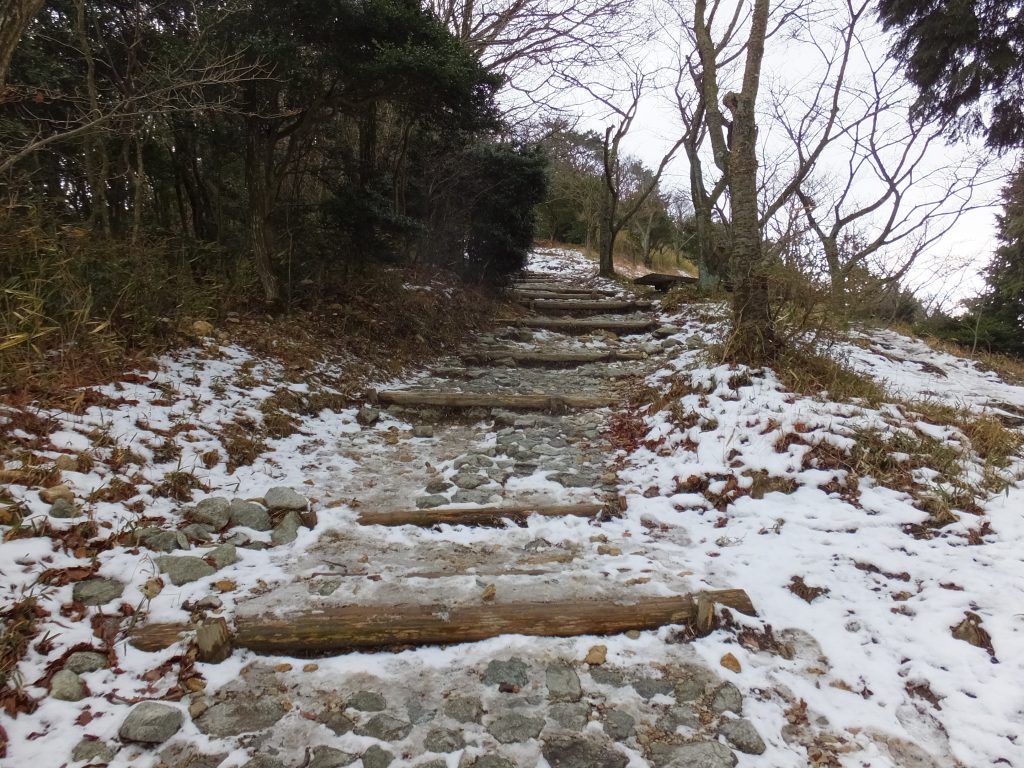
(480, 516)
(335, 629)
(610, 306)
(527, 294)
(411, 397)
(557, 288)
(573, 325)
(213, 641)
(549, 358)
(664, 282)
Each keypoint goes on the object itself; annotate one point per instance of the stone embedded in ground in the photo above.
(417, 712)
(336, 720)
(439, 763)
(282, 497)
(511, 727)
(571, 715)
(323, 586)
(93, 750)
(577, 751)
(198, 532)
(222, 556)
(377, 757)
(65, 685)
(649, 687)
(248, 514)
(368, 415)
(700, 754)
(508, 672)
(66, 463)
(597, 655)
(368, 701)
(64, 509)
(247, 714)
(473, 497)
(163, 541)
(440, 740)
(85, 661)
(179, 755)
(431, 501)
(563, 682)
(438, 485)
(97, 591)
(212, 512)
(150, 722)
(185, 569)
(423, 430)
(726, 698)
(263, 761)
(685, 715)
(287, 530)
(464, 709)
(469, 481)
(608, 676)
(743, 735)
(329, 757)
(619, 725)
(385, 728)
(50, 495)
(691, 680)
(493, 761)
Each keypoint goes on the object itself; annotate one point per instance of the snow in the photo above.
(856, 653)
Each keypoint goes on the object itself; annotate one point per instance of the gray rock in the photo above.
(743, 735)
(64, 509)
(385, 728)
(571, 715)
(329, 757)
(685, 715)
(85, 661)
(93, 750)
(439, 763)
(287, 530)
(248, 514)
(493, 761)
(185, 569)
(377, 757)
(726, 698)
(423, 430)
(440, 740)
(464, 709)
(97, 591)
(243, 715)
(263, 761)
(431, 501)
(510, 672)
(336, 720)
(212, 512)
(150, 722)
(368, 415)
(608, 676)
(577, 751)
(368, 701)
(417, 712)
(198, 532)
(179, 755)
(223, 556)
(648, 687)
(691, 681)
(67, 686)
(473, 497)
(512, 727)
(470, 481)
(281, 497)
(563, 682)
(164, 541)
(438, 485)
(323, 586)
(701, 754)
(619, 725)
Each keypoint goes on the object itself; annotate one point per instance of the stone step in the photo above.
(572, 305)
(478, 516)
(511, 401)
(579, 326)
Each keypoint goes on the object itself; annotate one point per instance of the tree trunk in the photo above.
(258, 167)
(15, 18)
(753, 338)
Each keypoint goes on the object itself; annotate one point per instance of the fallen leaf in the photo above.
(285, 667)
(225, 585)
(489, 593)
(310, 667)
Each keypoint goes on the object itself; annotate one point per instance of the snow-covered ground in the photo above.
(741, 484)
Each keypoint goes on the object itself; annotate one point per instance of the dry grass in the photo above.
(814, 375)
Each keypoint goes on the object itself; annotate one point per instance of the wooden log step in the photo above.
(570, 289)
(479, 516)
(575, 325)
(557, 295)
(336, 629)
(549, 358)
(511, 401)
(665, 282)
(610, 306)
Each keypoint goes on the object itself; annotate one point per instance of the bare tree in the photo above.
(15, 18)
